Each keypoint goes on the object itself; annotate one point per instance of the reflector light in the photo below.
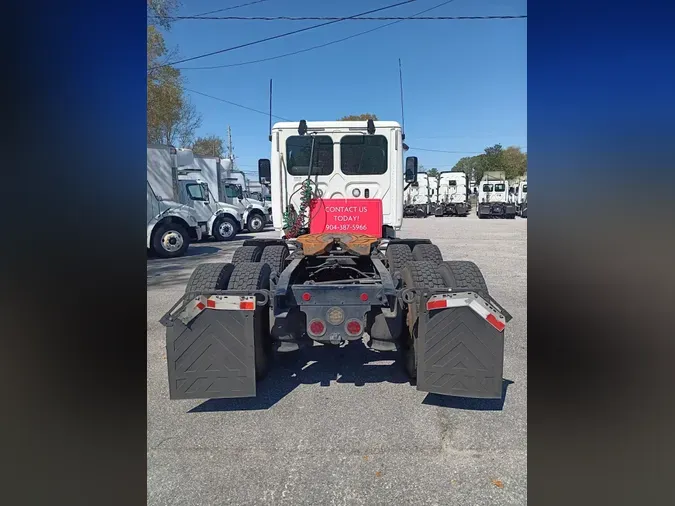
(364, 297)
(353, 327)
(200, 306)
(211, 303)
(316, 328)
(247, 305)
(495, 322)
(306, 296)
(436, 304)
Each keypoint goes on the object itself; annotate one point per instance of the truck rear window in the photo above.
(487, 187)
(362, 155)
(524, 188)
(500, 187)
(298, 149)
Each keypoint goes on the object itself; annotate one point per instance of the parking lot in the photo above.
(344, 426)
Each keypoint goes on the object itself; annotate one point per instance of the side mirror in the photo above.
(240, 193)
(264, 171)
(411, 169)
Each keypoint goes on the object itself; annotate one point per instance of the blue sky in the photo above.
(465, 82)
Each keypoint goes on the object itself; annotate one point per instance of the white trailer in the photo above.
(170, 225)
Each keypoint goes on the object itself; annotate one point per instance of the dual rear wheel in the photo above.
(424, 267)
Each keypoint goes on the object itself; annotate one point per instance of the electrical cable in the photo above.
(320, 45)
(274, 37)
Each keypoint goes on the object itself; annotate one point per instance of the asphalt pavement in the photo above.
(344, 426)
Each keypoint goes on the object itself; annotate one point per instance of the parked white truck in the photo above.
(256, 213)
(189, 185)
(170, 225)
(416, 197)
(520, 197)
(493, 198)
(338, 275)
(452, 194)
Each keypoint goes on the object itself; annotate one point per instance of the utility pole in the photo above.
(230, 149)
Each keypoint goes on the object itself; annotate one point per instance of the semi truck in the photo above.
(452, 194)
(256, 213)
(520, 196)
(170, 225)
(493, 197)
(417, 198)
(336, 275)
(190, 186)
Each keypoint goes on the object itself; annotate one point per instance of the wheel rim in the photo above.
(256, 223)
(172, 241)
(225, 229)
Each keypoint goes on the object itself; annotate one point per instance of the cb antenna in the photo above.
(270, 137)
(400, 81)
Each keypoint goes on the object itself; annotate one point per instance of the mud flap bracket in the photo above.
(459, 346)
(210, 351)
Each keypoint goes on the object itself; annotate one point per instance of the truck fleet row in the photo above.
(448, 195)
(191, 197)
(445, 195)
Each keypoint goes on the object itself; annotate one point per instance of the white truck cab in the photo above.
(217, 219)
(349, 160)
(493, 197)
(170, 224)
(452, 194)
(256, 213)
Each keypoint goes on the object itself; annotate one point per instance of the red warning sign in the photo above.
(363, 216)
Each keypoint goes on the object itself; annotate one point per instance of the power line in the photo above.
(319, 46)
(324, 18)
(196, 16)
(274, 37)
(235, 104)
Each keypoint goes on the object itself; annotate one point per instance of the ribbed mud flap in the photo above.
(459, 353)
(212, 357)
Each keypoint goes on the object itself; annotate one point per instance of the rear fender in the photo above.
(459, 346)
(210, 346)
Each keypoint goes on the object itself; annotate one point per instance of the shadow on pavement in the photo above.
(318, 364)
(323, 364)
(448, 401)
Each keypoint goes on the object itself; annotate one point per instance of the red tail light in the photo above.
(316, 328)
(354, 327)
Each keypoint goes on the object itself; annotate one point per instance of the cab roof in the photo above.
(334, 124)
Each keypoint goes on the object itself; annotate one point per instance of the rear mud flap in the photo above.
(459, 353)
(212, 356)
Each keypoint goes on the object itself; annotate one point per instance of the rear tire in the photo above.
(427, 253)
(170, 240)
(251, 276)
(398, 256)
(462, 275)
(247, 254)
(208, 277)
(225, 229)
(275, 256)
(419, 275)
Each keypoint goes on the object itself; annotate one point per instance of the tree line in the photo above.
(171, 117)
(512, 161)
